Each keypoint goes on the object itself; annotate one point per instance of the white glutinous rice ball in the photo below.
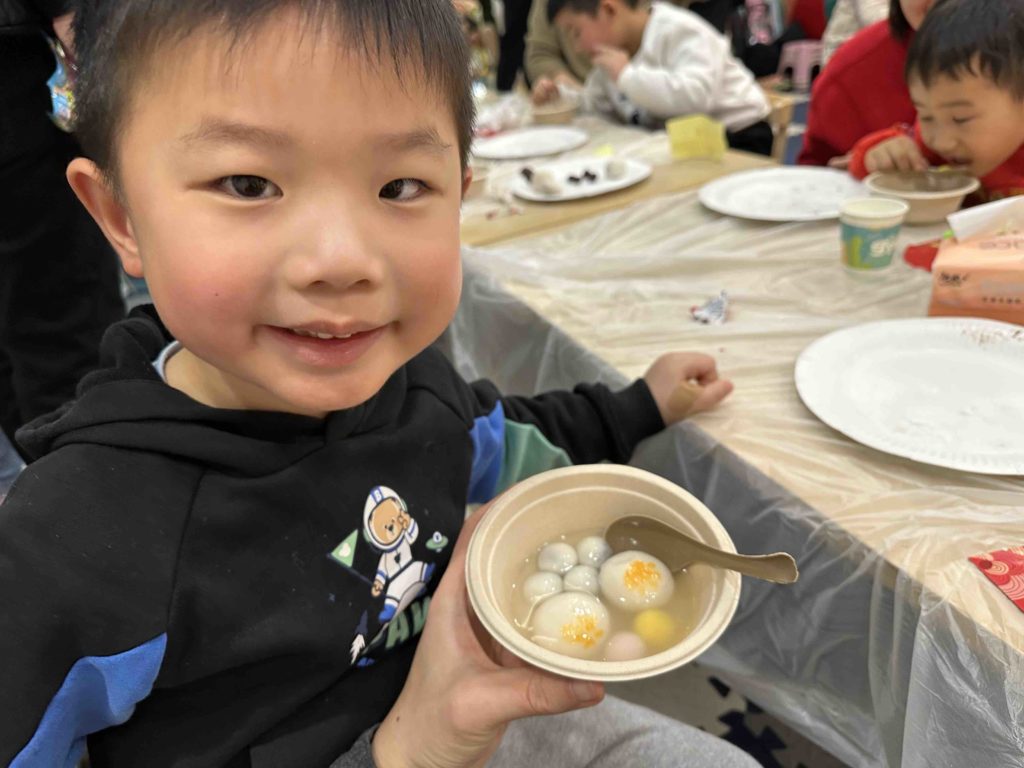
(546, 183)
(615, 169)
(625, 646)
(635, 580)
(593, 551)
(557, 558)
(541, 584)
(582, 578)
(571, 623)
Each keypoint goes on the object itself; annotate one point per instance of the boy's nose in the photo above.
(944, 142)
(336, 254)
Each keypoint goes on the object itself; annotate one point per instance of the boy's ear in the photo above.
(467, 179)
(110, 214)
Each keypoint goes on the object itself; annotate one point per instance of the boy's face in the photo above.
(587, 33)
(970, 121)
(290, 193)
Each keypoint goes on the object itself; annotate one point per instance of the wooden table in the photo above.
(478, 230)
(491, 214)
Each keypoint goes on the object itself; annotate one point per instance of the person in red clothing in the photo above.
(810, 15)
(861, 90)
(966, 79)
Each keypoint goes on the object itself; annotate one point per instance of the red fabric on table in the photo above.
(922, 255)
(860, 91)
(1005, 569)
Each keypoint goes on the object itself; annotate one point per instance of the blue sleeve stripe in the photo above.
(98, 692)
(488, 435)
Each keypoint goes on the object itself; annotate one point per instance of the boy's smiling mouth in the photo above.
(327, 331)
(327, 346)
(314, 334)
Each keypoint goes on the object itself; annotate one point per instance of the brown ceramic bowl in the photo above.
(590, 497)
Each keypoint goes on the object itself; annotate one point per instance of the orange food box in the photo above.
(980, 277)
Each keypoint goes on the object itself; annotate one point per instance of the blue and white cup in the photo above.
(869, 227)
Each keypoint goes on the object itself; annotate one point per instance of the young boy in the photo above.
(653, 63)
(226, 546)
(966, 78)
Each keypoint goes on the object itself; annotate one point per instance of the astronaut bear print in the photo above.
(390, 529)
(381, 556)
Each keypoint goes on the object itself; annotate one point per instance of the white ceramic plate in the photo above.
(947, 391)
(529, 142)
(782, 194)
(636, 172)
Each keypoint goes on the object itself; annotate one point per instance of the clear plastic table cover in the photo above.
(892, 650)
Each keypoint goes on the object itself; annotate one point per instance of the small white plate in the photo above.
(782, 194)
(944, 390)
(636, 172)
(529, 142)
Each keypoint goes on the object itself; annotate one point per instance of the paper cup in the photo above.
(581, 498)
(869, 227)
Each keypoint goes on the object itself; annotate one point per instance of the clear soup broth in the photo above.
(580, 632)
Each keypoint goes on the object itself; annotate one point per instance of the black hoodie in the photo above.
(191, 586)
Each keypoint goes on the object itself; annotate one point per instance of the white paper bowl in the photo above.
(589, 497)
(926, 207)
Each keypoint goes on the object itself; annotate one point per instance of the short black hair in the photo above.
(984, 38)
(588, 7)
(116, 39)
(898, 24)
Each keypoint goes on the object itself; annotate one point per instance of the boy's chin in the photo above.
(320, 404)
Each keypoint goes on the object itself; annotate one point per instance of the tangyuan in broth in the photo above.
(635, 581)
(583, 578)
(573, 623)
(585, 602)
(540, 585)
(557, 558)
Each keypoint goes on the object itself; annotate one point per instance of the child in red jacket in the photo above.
(966, 79)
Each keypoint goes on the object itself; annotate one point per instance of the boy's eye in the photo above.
(249, 187)
(402, 189)
(962, 120)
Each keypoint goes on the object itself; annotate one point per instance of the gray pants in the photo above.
(614, 734)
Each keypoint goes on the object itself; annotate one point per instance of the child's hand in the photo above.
(899, 153)
(685, 383)
(611, 60)
(463, 689)
(840, 162)
(545, 90)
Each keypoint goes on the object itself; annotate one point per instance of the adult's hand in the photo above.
(463, 689)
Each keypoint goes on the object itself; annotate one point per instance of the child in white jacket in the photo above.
(653, 63)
